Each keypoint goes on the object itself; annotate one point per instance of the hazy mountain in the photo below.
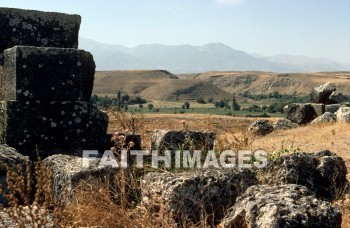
(193, 59)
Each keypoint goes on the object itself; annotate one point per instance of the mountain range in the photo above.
(196, 59)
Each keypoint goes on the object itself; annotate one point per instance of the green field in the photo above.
(169, 107)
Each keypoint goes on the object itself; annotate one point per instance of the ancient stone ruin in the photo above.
(46, 83)
(325, 103)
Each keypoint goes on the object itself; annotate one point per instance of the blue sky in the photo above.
(315, 28)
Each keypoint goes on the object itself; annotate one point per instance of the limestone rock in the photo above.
(47, 74)
(187, 140)
(327, 117)
(337, 98)
(186, 196)
(261, 127)
(324, 173)
(300, 113)
(68, 171)
(332, 108)
(284, 124)
(321, 94)
(319, 108)
(343, 114)
(12, 158)
(281, 206)
(52, 124)
(36, 28)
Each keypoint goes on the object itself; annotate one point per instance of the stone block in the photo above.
(52, 124)
(47, 74)
(299, 113)
(189, 197)
(319, 108)
(36, 28)
(324, 173)
(188, 140)
(69, 171)
(332, 108)
(281, 206)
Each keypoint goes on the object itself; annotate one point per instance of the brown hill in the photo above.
(183, 89)
(162, 85)
(130, 82)
(154, 85)
(266, 82)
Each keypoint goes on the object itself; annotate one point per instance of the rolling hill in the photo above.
(162, 85)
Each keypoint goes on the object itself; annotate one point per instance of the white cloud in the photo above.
(230, 2)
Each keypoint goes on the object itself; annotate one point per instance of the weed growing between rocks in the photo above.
(28, 193)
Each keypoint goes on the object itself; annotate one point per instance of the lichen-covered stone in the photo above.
(187, 140)
(281, 206)
(332, 108)
(189, 197)
(63, 124)
(36, 28)
(261, 127)
(337, 98)
(10, 158)
(300, 113)
(343, 114)
(324, 173)
(327, 117)
(321, 94)
(47, 74)
(284, 124)
(68, 172)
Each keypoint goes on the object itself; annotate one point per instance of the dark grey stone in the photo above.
(324, 173)
(36, 28)
(187, 140)
(261, 127)
(189, 197)
(52, 124)
(47, 74)
(300, 113)
(332, 108)
(281, 206)
(337, 98)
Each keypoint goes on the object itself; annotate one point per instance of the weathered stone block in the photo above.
(36, 28)
(281, 206)
(332, 108)
(189, 197)
(69, 171)
(327, 117)
(324, 173)
(284, 124)
(261, 127)
(48, 74)
(343, 114)
(187, 140)
(321, 94)
(337, 98)
(300, 113)
(319, 108)
(52, 124)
